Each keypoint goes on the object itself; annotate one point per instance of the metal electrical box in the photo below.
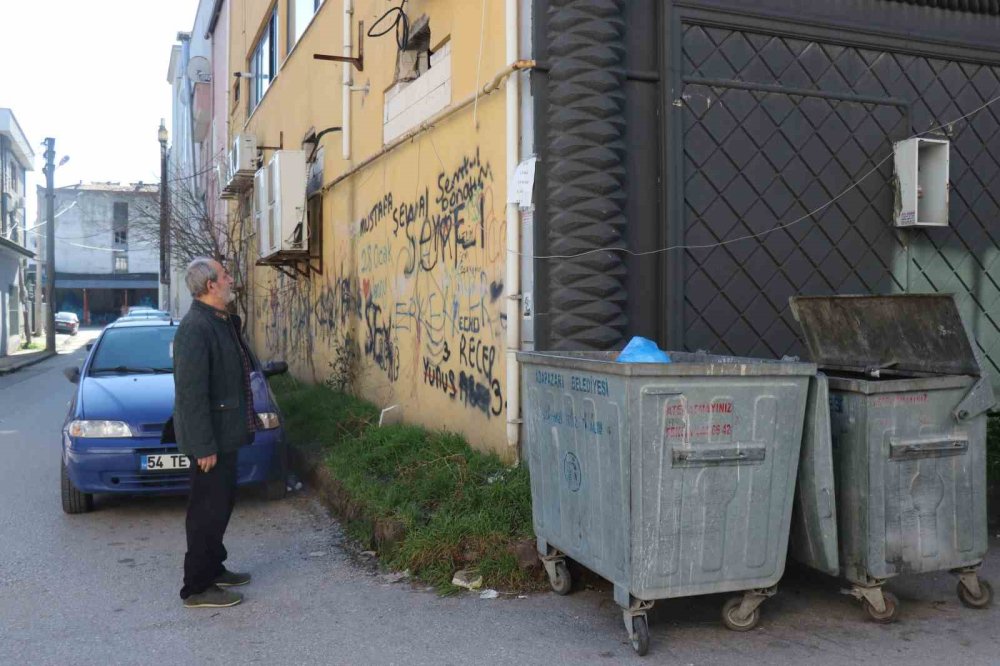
(922, 183)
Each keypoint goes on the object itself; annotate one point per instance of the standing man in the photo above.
(213, 417)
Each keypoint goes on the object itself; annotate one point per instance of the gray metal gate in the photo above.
(775, 126)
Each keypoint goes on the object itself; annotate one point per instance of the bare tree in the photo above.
(195, 229)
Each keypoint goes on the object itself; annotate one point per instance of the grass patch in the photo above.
(426, 501)
(317, 417)
(35, 345)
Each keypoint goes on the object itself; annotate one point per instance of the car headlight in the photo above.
(104, 429)
(268, 420)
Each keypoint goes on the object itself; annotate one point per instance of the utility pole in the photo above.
(50, 246)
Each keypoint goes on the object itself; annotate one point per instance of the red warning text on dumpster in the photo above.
(899, 399)
(698, 421)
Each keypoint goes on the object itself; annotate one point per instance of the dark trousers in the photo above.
(210, 505)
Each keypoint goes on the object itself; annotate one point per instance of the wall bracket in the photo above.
(359, 61)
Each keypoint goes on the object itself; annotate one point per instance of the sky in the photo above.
(93, 75)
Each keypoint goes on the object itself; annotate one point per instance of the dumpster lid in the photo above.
(905, 333)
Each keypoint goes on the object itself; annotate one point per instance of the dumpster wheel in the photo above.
(969, 600)
(730, 616)
(561, 582)
(891, 612)
(640, 635)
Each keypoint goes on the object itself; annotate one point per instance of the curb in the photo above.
(14, 368)
(308, 465)
(385, 533)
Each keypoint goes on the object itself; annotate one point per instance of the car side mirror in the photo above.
(72, 374)
(90, 345)
(272, 368)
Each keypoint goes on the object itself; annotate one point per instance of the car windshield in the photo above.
(142, 349)
(65, 316)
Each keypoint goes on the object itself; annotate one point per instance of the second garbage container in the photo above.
(667, 479)
(896, 431)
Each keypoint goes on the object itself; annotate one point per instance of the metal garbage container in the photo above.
(896, 431)
(667, 479)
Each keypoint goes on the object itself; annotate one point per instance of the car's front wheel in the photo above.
(73, 501)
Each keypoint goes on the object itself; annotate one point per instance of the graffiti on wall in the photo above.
(421, 292)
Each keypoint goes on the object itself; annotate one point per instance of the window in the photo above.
(120, 223)
(121, 263)
(121, 213)
(264, 61)
(300, 12)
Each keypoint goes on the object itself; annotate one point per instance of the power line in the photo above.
(706, 246)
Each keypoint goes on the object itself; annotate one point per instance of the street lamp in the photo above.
(161, 135)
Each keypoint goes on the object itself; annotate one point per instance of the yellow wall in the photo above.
(413, 244)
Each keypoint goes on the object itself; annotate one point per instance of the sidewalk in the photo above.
(22, 359)
(64, 344)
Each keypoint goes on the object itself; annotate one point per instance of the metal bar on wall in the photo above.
(803, 92)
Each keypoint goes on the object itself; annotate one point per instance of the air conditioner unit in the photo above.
(280, 204)
(242, 163)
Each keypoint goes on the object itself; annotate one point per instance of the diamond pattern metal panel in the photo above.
(755, 159)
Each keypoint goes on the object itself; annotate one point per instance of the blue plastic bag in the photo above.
(642, 350)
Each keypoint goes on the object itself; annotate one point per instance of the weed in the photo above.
(458, 508)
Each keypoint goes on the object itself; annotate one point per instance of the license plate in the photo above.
(156, 463)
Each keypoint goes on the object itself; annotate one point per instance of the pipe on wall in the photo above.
(348, 52)
(512, 278)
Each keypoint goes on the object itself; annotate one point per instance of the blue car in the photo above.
(111, 440)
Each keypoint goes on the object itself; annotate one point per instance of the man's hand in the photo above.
(206, 463)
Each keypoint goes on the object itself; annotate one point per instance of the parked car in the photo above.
(67, 322)
(111, 438)
(139, 308)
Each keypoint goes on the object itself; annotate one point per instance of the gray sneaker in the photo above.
(231, 578)
(213, 597)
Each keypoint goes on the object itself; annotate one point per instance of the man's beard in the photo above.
(230, 296)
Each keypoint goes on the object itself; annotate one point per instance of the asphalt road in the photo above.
(101, 588)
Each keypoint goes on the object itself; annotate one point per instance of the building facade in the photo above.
(565, 174)
(106, 249)
(16, 159)
(199, 77)
(399, 290)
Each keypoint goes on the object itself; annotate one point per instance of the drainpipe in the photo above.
(512, 279)
(345, 121)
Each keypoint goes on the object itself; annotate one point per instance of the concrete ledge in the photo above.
(308, 465)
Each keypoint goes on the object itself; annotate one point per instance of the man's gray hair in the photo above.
(198, 274)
